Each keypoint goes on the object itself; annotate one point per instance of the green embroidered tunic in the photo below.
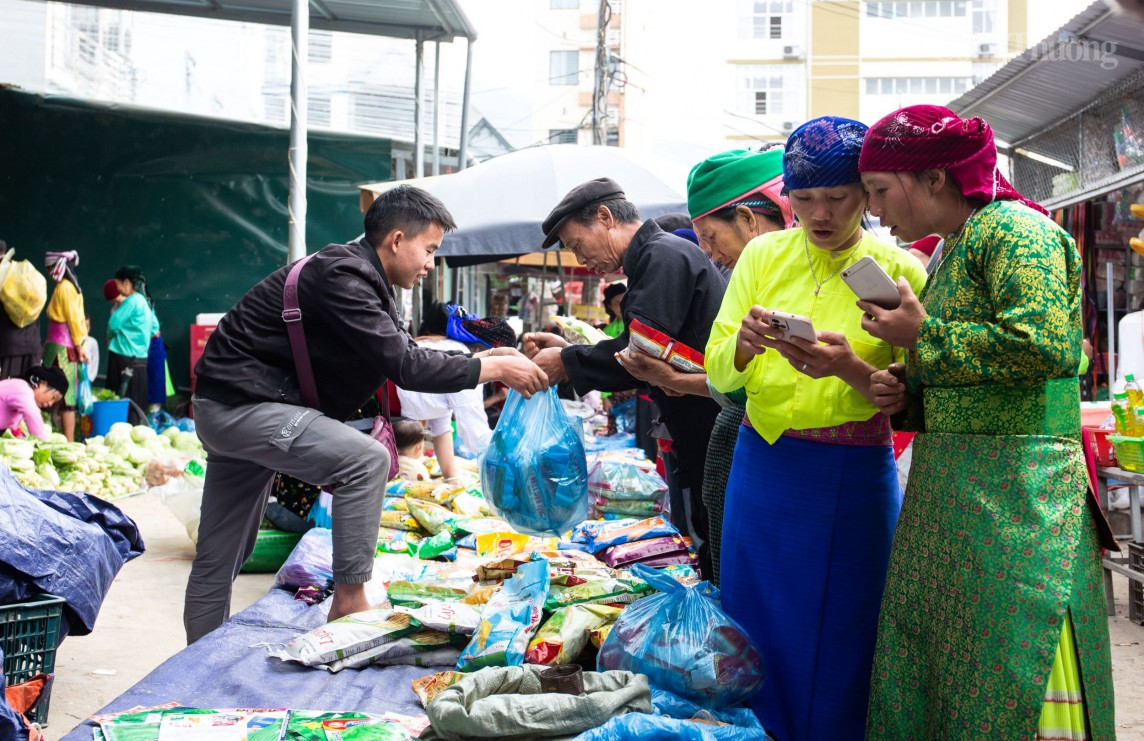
(995, 542)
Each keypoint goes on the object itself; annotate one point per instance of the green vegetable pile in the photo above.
(108, 467)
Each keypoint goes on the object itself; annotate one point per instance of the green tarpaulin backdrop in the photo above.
(198, 203)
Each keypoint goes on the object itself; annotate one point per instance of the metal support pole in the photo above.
(437, 108)
(418, 111)
(299, 54)
(463, 151)
(1109, 286)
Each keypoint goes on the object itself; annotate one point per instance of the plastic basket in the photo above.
(1102, 448)
(1135, 588)
(271, 550)
(29, 636)
(1129, 452)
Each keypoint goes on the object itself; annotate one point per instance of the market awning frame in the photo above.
(420, 20)
(1034, 104)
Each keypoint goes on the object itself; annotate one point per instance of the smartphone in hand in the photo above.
(871, 283)
(793, 325)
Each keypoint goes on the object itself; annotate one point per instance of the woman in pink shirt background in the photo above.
(21, 399)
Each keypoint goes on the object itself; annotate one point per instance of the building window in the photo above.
(915, 86)
(564, 4)
(984, 16)
(275, 109)
(111, 38)
(562, 136)
(915, 9)
(766, 18)
(562, 67)
(318, 110)
(321, 47)
(613, 139)
(764, 86)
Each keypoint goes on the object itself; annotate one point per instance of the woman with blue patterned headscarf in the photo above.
(813, 495)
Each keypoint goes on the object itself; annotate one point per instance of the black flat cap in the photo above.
(585, 194)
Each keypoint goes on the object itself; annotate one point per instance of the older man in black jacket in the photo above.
(674, 288)
(252, 421)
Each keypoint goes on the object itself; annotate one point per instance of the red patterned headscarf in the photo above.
(930, 137)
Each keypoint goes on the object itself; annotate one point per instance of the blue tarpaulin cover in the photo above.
(67, 544)
(230, 668)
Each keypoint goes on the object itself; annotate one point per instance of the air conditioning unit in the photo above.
(789, 126)
(986, 50)
(792, 51)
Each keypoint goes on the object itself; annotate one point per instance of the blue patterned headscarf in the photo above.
(823, 153)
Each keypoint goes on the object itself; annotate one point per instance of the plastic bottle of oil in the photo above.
(1134, 390)
(1125, 414)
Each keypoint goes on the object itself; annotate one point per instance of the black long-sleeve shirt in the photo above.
(353, 334)
(675, 288)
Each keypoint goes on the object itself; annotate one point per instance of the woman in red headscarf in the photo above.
(992, 621)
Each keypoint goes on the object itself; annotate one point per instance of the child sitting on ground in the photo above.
(409, 437)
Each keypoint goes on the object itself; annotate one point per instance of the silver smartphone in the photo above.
(871, 283)
(793, 325)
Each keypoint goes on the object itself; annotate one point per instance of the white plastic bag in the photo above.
(183, 495)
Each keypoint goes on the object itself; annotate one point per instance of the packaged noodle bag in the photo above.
(347, 636)
(509, 620)
(564, 635)
(428, 687)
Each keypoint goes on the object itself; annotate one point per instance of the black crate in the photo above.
(29, 635)
(1135, 588)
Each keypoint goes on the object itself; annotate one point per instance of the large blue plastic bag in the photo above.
(509, 620)
(533, 473)
(685, 644)
(641, 727)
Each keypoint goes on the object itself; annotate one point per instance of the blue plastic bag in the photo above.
(534, 473)
(641, 727)
(685, 644)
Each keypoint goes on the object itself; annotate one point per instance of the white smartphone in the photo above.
(793, 325)
(871, 283)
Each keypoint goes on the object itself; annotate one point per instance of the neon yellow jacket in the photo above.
(774, 273)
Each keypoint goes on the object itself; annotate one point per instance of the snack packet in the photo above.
(628, 507)
(434, 492)
(417, 594)
(434, 546)
(394, 504)
(624, 553)
(400, 521)
(467, 504)
(616, 591)
(509, 620)
(501, 544)
(577, 331)
(447, 617)
(434, 518)
(564, 635)
(429, 686)
(661, 346)
(347, 636)
(625, 531)
(419, 643)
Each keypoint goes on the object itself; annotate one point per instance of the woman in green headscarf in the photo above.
(732, 198)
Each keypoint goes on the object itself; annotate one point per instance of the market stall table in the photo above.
(230, 668)
(1135, 481)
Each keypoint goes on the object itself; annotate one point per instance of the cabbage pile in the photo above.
(107, 467)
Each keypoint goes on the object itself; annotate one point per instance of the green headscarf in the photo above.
(729, 177)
